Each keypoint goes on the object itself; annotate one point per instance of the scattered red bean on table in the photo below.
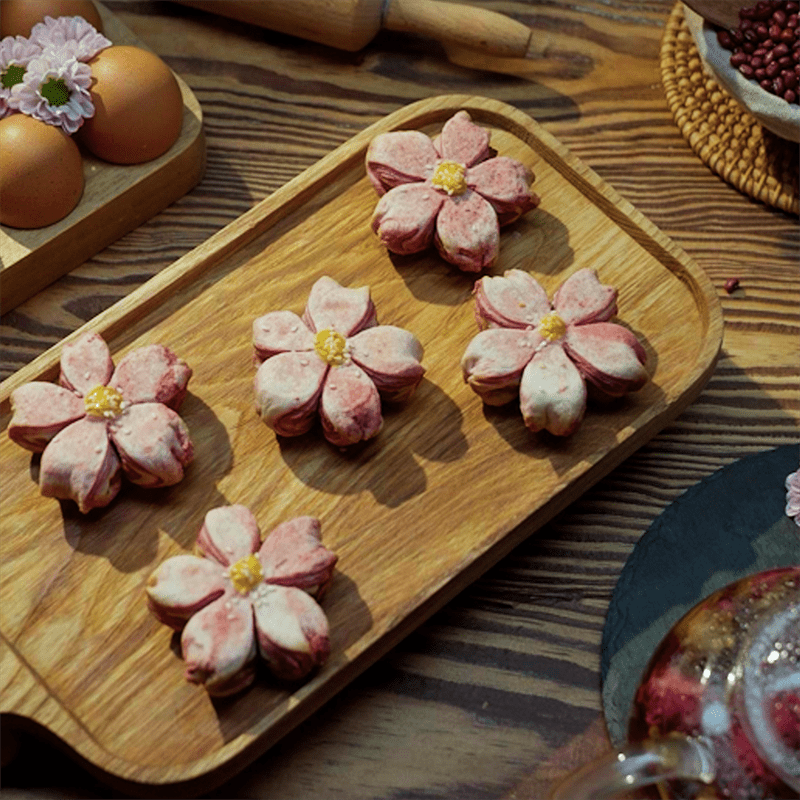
(765, 46)
(731, 285)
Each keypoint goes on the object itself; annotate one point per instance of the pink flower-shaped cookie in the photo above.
(547, 354)
(336, 361)
(451, 191)
(793, 496)
(102, 421)
(242, 596)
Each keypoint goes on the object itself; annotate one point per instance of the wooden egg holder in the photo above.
(116, 200)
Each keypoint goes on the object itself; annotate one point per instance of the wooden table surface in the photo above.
(498, 694)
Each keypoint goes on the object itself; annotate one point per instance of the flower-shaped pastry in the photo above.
(793, 496)
(548, 354)
(55, 90)
(78, 38)
(16, 52)
(452, 191)
(336, 360)
(242, 596)
(102, 420)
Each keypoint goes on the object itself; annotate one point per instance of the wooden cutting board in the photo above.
(116, 200)
(415, 515)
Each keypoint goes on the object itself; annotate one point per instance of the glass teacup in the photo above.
(717, 712)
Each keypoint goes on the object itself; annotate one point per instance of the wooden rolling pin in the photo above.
(352, 24)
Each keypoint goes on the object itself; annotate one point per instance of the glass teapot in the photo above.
(717, 711)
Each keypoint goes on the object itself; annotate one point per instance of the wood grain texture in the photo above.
(116, 199)
(499, 690)
(377, 503)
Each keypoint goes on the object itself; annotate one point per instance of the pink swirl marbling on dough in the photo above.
(452, 191)
(546, 354)
(103, 422)
(241, 597)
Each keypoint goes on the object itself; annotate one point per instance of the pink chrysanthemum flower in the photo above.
(547, 354)
(55, 89)
(793, 496)
(16, 52)
(102, 421)
(73, 36)
(335, 362)
(240, 596)
(453, 191)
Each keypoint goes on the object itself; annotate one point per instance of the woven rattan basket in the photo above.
(726, 137)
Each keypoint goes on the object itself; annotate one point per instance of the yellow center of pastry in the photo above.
(449, 177)
(552, 327)
(330, 347)
(246, 574)
(103, 401)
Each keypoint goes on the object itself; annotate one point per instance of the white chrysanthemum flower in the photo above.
(16, 52)
(55, 89)
(74, 36)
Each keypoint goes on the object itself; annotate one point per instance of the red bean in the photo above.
(765, 46)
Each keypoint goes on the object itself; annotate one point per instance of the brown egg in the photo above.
(17, 17)
(41, 173)
(138, 106)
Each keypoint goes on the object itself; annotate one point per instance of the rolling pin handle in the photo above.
(457, 23)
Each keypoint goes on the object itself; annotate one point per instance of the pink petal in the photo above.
(152, 374)
(229, 533)
(399, 157)
(515, 300)
(181, 586)
(582, 298)
(280, 332)
(463, 141)
(291, 631)
(334, 307)
(405, 217)
(80, 464)
(219, 648)
(552, 394)
(494, 360)
(506, 184)
(85, 363)
(293, 555)
(390, 356)
(287, 389)
(467, 232)
(41, 410)
(153, 444)
(608, 356)
(350, 407)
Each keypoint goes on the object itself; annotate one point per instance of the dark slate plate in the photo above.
(730, 525)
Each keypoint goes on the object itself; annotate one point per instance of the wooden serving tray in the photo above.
(116, 200)
(415, 515)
